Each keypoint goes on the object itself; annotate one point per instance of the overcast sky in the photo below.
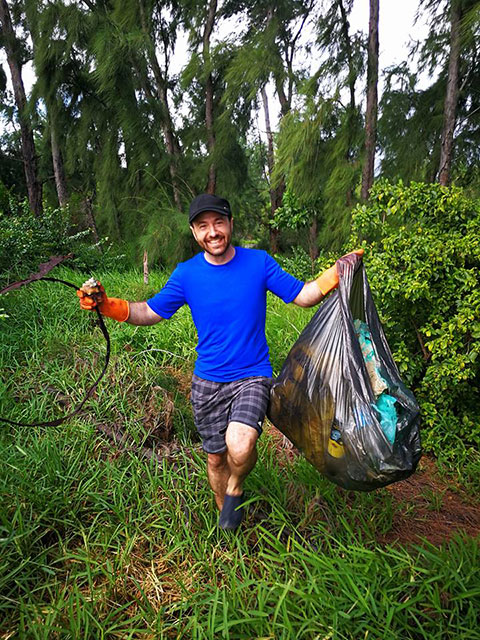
(396, 27)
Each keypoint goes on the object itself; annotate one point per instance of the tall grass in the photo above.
(100, 544)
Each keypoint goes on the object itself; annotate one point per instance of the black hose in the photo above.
(103, 328)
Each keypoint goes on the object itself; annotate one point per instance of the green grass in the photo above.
(97, 544)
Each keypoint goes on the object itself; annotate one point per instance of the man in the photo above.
(225, 288)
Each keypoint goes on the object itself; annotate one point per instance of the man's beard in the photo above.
(213, 253)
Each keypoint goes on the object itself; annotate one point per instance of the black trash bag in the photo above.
(348, 411)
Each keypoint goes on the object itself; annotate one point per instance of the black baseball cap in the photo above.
(208, 202)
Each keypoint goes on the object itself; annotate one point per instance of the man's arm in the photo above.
(313, 292)
(141, 314)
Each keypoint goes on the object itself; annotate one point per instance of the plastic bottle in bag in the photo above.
(335, 444)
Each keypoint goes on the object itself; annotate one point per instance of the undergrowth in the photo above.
(98, 543)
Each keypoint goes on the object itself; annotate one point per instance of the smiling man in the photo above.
(226, 289)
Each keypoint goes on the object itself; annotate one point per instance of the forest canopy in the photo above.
(123, 135)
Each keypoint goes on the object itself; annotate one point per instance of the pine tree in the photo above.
(320, 142)
(458, 10)
(412, 124)
(267, 53)
(49, 72)
(15, 57)
(157, 29)
(372, 100)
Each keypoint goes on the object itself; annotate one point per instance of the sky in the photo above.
(396, 27)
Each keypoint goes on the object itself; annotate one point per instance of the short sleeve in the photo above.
(279, 282)
(170, 298)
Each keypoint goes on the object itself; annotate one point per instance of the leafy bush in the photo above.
(291, 215)
(27, 240)
(298, 263)
(423, 261)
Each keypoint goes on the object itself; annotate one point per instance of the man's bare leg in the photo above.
(241, 455)
(218, 473)
(241, 458)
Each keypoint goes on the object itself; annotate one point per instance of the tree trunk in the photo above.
(88, 209)
(348, 49)
(312, 243)
(372, 101)
(276, 193)
(58, 170)
(11, 44)
(268, 130)
(282, 96)
(171, 143)
(209, 118)
(451, 97)
(351, 125)
(145, 267)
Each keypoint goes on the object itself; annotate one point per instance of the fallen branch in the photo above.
(43, 269)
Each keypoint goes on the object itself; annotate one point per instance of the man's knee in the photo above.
(241, 440)
(217, 460)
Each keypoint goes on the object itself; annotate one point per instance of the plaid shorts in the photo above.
(216, 404)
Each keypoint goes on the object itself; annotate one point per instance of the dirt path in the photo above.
(441, 508)
(428, 505)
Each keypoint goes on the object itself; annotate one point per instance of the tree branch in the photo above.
(426, 354)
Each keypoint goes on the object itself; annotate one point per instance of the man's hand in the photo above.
(92, 294)
(313, 292)
(328, 280)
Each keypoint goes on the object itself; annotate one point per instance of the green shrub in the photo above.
(27, 240)
(423, 262)
(298, 263)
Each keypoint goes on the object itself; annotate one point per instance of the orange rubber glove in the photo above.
(328, 280)
(92, 296)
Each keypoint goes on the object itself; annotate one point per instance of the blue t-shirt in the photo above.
(228, 304)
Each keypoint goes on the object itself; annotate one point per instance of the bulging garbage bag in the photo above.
(339, 396)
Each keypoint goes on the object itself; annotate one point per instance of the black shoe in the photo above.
(232, 514)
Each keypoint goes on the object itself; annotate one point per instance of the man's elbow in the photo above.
(301, 301)
(309, 296)
(150, 316)
(297, 302)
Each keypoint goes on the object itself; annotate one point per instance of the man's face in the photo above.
(213, 232)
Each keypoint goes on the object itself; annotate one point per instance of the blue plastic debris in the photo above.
(388, 415)
(384, 404)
